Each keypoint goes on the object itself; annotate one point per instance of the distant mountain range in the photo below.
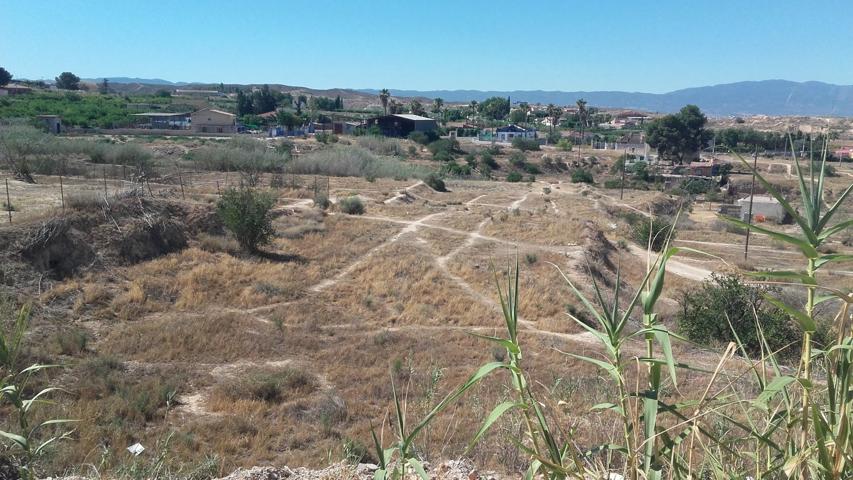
(768, 97)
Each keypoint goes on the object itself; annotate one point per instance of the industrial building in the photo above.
(401, 125)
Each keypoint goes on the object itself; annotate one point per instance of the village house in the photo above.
(508, 133)
(209, 120)
(14, 89)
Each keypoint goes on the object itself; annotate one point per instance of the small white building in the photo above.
(506, 134)
(764, 208)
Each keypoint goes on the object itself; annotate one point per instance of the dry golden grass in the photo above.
(213, 325)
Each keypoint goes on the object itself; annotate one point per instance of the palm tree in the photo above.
(550, 109)
(384, 95)
(437, 104)
(582, 114)
(473, 107)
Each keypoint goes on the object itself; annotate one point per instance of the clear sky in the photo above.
(649, 46)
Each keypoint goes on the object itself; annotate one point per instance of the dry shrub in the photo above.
(272, 386)
(218, 243)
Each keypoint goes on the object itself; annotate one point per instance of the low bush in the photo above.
(352, 205)
(352, 161)
(525, 144)
(582, 176)
(326, 138)
(446, 147)
(487, 159)
(514, 177)
(725, 306)
(517, 159)
(381, 145)
(657, 228)
(424, 138)
(564, 145)
(269, 387)
(246, 213)
(435, 182)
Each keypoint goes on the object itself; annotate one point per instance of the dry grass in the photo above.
(283, 374)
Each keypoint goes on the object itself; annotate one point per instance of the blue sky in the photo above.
(650, 46)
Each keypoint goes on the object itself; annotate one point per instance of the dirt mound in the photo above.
(56, 248)
(597, 251)
(661, 204)
(403, 198)
(97, 235)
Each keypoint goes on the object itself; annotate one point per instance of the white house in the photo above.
(506, 134)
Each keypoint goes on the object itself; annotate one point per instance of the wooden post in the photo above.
(751, 194)
(105, 182)
(61, 193)
(218, 192)
(181, 181)
(8, 201)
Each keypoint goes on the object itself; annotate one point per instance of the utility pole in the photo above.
(751, 195)
(622, 185)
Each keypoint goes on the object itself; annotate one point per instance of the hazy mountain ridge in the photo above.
(769, 97)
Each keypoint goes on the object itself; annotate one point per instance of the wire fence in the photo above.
(51, 194)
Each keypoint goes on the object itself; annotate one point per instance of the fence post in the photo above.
(106, 193)
(217, 189)
(61, 194)
(181, 181)
(8, 201)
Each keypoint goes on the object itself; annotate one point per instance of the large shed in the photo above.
(208, 120)
(401, 125)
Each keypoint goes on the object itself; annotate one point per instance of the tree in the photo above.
(244, 104)
(437, 105)
(554, 114)
(246, 213)
(583, 114)
(384, 96)
(263, 100)
(5, 76)
(288, 120)
(300, 101)
(680, 135)
(417, 108)
(495, 108)
(473, 108)
(68, 81)
(104, 88)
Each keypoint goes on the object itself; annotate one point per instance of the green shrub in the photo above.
(517, 159)
(381, 145)
(424, 138)
(514, 177)
(246, 213)
(582, 176)
(658, 227)
(564, 145)
(710, 313)
(352, 205)
(435, 182)
(487, 159)
(326, 138)
(351, 161)
(525, 144)
(446, 147)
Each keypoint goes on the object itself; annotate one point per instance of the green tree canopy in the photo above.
(679, 136)
(495, 108)
(5, 76)
(68, 81)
